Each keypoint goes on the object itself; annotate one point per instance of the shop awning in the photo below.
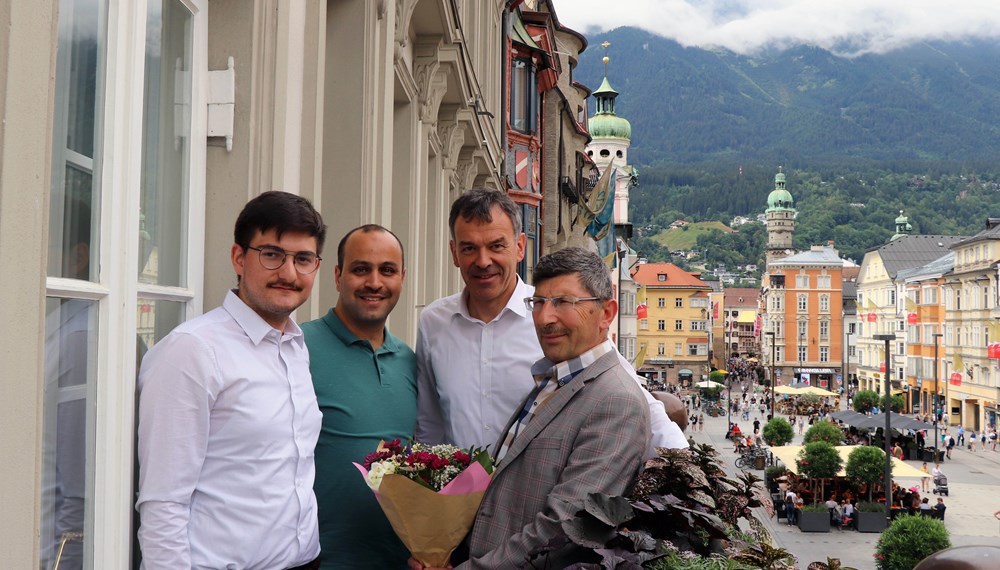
(684, 371)
(697, 341)
(788, 453)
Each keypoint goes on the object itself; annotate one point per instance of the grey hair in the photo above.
(594, 275)
(477, 204)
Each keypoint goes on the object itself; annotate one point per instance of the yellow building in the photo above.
(923, 304)
(675, 331)
(970, 322)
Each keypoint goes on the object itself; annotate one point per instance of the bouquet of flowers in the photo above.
(430, 494)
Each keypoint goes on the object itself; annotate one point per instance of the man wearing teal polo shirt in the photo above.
(365, 381)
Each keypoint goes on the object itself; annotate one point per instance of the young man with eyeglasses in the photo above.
(228, 419)
(475, 349)
(582, 428)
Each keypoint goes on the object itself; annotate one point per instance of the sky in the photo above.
(847, 27)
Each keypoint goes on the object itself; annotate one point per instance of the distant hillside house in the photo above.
(678, 224)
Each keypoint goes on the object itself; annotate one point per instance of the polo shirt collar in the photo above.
(340, 330)
(515, 304)
(255, 327)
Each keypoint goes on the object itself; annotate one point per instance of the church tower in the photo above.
(780, 216)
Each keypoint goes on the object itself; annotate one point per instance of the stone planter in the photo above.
(926, 454)
(871, 522)
(814, 522)
(912, 454)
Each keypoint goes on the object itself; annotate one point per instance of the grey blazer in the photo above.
(590, 436)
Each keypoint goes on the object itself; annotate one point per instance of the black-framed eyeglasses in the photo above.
(305, 262)
(563, 302)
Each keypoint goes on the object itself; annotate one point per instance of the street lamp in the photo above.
(771, 334)
(887, 482)
(934, 399)
(802, 354)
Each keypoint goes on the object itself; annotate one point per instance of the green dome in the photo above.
(609, 126)
(779, 198)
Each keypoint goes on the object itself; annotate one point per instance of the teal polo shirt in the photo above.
(366, 396)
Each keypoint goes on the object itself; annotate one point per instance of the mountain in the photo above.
(928, 102)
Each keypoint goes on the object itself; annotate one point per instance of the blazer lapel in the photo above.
(552, 407)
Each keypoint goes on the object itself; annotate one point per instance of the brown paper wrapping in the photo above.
(430, 524)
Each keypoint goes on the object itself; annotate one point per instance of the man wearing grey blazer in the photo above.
(583, 429)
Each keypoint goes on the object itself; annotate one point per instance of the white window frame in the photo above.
(116, 289)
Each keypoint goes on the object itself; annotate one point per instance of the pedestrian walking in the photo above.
(923, 480)
(701, 422)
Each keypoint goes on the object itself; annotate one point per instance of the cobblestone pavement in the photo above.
(973, 482)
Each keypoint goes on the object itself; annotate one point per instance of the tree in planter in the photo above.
(908, 540)
(819, 460)
(778, 432)
(717, 376)
(866, 464)
(865, 400)
(824, 431)
(896, 403)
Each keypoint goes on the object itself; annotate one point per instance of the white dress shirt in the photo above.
(228, 424)
(472, 376)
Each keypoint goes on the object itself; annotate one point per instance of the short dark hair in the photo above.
(477, 204)
(593, 273)
(367, 228)
(281, 212)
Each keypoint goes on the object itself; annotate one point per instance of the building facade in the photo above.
(135, 132)
(675, 333)
(740, 331)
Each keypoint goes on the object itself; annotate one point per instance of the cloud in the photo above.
(850, 27)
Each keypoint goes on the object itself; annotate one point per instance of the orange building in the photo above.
(803, 301)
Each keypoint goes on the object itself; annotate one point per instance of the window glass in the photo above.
(67, 460)
(166, 140)
(154, 319)
(75, 200)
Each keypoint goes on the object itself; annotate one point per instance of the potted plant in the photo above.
(865, 400)
(824, 431)
(814, 518)
(771, 475)
(866, 464)
(778, 432)
(908, 540)
(819, 460)
(912, 453)
(871, 517)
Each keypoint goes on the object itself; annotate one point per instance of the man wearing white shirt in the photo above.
(475, 349)
(228, 419)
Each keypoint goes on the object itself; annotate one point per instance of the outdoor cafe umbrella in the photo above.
(816, 391)
(847, 416)
(708, 384)
(896, 421)
(787, 390)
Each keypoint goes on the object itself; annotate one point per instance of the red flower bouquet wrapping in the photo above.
(430, 494)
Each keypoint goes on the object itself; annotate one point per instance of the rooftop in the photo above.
(673, 276)
(910, 251)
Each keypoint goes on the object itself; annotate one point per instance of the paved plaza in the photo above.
(974, 495)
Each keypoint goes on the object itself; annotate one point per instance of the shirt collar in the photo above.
(515, 304)
(252, 324)
(563, 372)
(340, 330)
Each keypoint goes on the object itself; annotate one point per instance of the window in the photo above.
(901, 348)
(678, 302)
(930, 295)
(852, 328)
(901, 325)
(824, 303)
(644, 324)
(94, 285)
(678, 325)
(802, 303)
(698, 349)
(531, 226)
(892, 296)
(779, 354)
(661, 349)
(802, 353)
(824, 354)
(777, 304)
(824, 330)
(852, 351)
(699, 325)
(778, 327)
(801, 281)
(678, 350)
(523, 96)
(802, 324)
(958, 299)
(823, 282)
(661, 325)
(661, 302)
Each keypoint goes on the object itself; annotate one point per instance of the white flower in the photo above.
(378, 470)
